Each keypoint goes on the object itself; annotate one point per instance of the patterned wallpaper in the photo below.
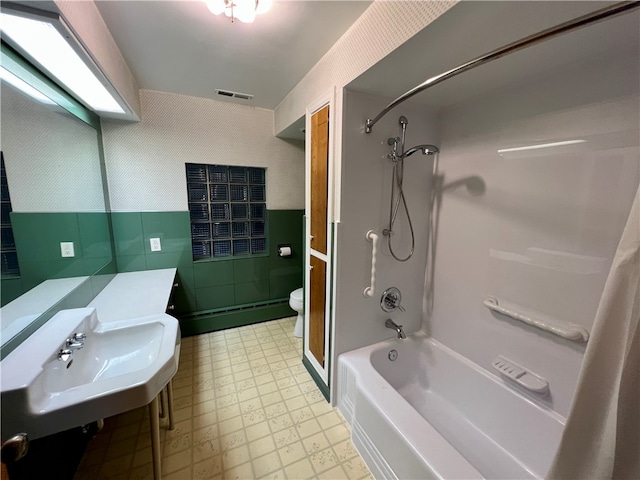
(145, 161)
(383, 27)
(51, 158)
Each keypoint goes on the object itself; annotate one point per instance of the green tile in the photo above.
(69, 267)
(210, 274)
(131, 263)
(254, 269)
(209, 298)
(93, 265)
(172, 228)
(10, 288)
(251, 292)
(94, 235)
(157, 260)
(127, 233)
(285, 274)
(283, 281)
(38, 235)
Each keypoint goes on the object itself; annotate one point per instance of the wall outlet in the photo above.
(66, 249)
(155, 244)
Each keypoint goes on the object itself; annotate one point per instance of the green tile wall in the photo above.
(211, 284)
(38, 237)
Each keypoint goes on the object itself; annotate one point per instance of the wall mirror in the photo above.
(57, 245)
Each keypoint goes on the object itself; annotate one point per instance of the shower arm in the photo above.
(583, 21)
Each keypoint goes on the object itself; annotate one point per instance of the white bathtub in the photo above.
(432, 413)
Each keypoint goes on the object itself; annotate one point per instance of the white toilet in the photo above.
(296, 301)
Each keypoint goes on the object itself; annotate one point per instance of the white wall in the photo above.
(383, 27)
(145, 161)
(543, 233)
(52, 158)
(366, 190)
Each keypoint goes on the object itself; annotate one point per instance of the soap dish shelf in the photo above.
(521, 376)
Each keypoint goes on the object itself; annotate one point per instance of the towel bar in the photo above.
(568, 331)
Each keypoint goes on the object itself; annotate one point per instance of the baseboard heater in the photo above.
(234, 308)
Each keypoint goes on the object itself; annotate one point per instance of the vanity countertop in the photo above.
(135, 294)
(19, 313)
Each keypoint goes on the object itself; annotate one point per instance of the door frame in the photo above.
(328, 98)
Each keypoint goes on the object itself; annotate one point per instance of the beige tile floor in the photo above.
(245, 408)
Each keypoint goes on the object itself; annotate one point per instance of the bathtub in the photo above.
(432, 413)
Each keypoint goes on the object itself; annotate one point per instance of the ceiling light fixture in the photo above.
(243, 10)
(45, 39)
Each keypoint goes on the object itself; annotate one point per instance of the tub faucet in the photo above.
(394, 326)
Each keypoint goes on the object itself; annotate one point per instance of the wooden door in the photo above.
(319, 178)
(317, 278)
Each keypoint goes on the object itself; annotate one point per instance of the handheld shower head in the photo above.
(403, 120)
(425, 149)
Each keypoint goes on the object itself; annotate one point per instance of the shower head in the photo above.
(425, 149)
(403, 120)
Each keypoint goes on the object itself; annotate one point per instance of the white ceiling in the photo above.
(180, 47)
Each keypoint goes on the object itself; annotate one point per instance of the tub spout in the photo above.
(394, 326)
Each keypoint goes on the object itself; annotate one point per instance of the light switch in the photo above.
(66, 249)
(155, 244)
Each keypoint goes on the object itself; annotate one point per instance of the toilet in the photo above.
(296, 301)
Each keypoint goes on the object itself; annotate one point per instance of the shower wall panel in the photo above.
(538, 183)
(365, 196)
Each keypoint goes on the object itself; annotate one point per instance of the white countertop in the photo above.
(19, 313)
(135, 294)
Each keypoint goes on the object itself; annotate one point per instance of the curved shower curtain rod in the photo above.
(583, 21)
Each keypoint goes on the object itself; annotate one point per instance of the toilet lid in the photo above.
(297, 294)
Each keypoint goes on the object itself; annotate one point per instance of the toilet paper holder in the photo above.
(284, 250)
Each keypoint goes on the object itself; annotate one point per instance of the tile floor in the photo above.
(245, 408)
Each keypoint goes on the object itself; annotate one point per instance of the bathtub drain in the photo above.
(393, 355)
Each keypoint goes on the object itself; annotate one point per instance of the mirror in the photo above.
(57, 248)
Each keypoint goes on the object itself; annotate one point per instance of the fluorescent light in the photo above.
(24, 87)
(46, 46)
(542, 145)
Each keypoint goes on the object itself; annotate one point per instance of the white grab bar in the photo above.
(570, 331)
(372, 236)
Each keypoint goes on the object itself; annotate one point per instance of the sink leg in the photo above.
(170, 403)
(163, 414)
(155, 438)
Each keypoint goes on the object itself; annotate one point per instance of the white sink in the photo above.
(123, 365)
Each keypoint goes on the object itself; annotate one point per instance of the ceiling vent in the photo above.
(229, 93)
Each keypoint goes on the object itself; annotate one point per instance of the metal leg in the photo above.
(170, 403)
(163, 414)
(155, 439)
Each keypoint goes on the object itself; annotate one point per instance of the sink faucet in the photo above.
(76, 341)
(394, 326)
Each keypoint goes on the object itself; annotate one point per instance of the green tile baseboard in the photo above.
(198, 324)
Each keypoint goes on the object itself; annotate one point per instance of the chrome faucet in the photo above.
(64, 355)
(76, 342)
(394, 326)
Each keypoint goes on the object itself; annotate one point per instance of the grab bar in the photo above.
(568, 331)
(372, 236)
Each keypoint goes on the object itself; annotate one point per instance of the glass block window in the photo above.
(227, 209)
(8, 254)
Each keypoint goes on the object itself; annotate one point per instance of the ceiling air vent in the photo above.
(229, 93)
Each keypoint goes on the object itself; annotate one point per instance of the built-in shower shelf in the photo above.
(520, 375)
(569, 331)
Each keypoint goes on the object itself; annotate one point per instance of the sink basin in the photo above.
(123, 365)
